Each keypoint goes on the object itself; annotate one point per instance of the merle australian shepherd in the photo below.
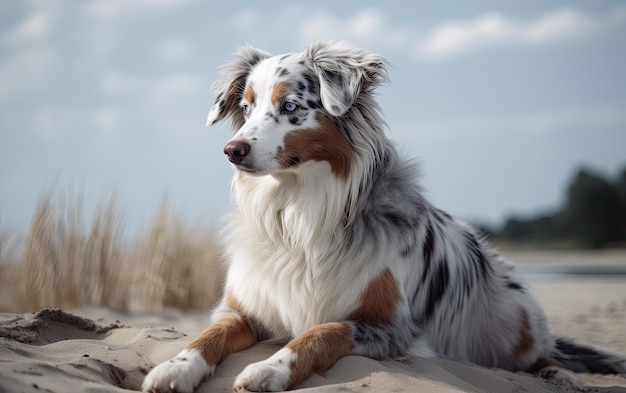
(333, 249)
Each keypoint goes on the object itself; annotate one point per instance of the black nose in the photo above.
(236, 151)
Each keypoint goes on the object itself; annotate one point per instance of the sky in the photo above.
(500, 102)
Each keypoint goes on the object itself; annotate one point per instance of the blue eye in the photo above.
(290, 106)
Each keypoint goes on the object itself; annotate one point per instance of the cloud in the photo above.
(453, 38)
(105, 25)
(561, 25)
(33, 28)
(117, 9)
(450, 38)
(373, 27)
(367, 26)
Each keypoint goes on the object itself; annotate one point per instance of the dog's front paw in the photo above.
(180, 374)
(270, 375)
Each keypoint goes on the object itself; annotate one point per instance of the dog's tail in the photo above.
(583, 359)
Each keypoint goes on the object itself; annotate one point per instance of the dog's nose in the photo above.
(236, 151)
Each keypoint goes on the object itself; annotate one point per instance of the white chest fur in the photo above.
(288, 262)
(288, 292)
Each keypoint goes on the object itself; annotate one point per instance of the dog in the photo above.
(333, 249)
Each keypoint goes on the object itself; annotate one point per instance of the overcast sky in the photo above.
(500, 101)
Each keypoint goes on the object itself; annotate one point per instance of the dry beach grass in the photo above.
(59, 263)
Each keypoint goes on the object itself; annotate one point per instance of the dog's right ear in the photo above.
(228, 88)
(345, 72)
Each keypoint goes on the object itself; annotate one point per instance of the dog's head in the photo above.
(287, 110)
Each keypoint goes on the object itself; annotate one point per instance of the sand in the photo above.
(103, 350)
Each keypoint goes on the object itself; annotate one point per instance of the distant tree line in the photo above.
(593, 215)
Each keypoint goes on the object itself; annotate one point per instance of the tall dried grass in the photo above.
(59, 263)
(8, 274)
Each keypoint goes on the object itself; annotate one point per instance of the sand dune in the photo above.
(102, 350)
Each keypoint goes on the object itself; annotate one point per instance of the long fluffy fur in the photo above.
(356, 256)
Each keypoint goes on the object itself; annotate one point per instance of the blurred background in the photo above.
(516, 112)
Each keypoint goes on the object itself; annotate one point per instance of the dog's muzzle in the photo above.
(236, 151)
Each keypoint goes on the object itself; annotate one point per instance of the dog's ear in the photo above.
(228, 88)
(344, 72)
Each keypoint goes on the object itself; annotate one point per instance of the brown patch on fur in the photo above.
(249, 95)
(229, 334)
(325, 143)
(318, 348)
(379, 301)
(231, 97)
(526, 341)
(231, 302)
(279, 91)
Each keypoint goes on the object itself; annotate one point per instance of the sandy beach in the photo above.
(103, 350)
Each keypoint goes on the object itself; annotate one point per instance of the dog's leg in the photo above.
(319, 347)
(377, 329)
(316, 349)
(181, 374)
(555, 371)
